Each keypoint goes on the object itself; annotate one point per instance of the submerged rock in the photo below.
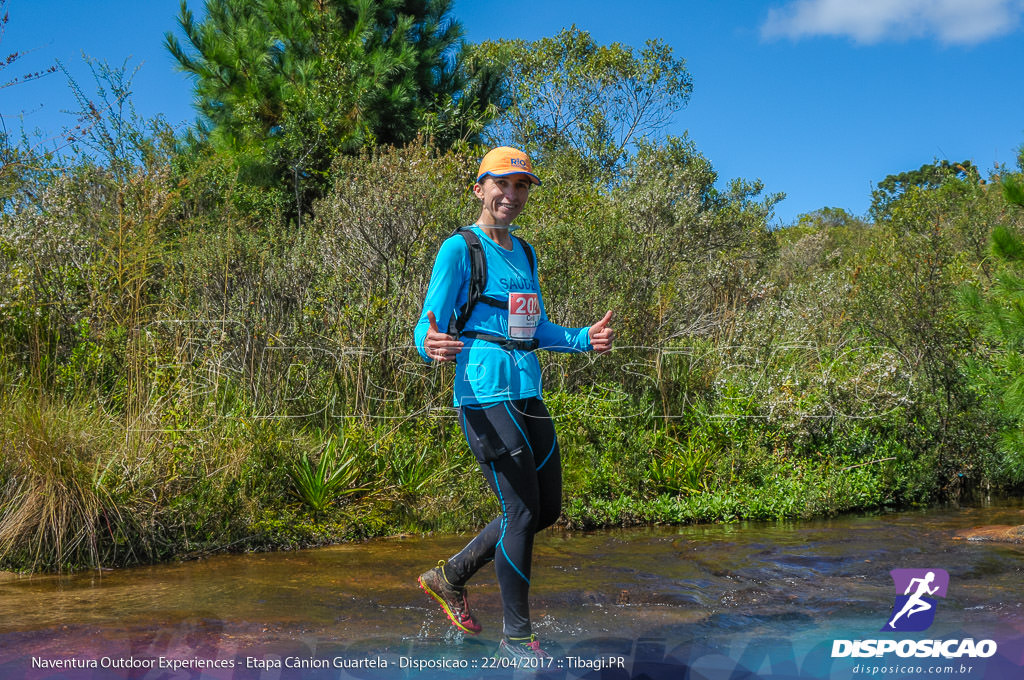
(999, 533)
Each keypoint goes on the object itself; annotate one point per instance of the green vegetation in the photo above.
(197, 355)
(282, 88)
(998, 367)
(569, 93)
(320, 485)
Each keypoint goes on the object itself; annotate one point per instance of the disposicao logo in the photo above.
(914, 607)
(913, 610)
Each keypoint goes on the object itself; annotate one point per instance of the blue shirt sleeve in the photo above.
(448, 279)
(555, 338)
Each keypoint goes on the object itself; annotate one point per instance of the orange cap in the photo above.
(506, 160)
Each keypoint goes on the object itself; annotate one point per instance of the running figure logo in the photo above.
(914, 610)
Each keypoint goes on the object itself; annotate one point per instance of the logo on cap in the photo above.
(506, 160)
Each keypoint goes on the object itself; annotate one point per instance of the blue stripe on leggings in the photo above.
(548, 457)
(525, 438)
(504, 525)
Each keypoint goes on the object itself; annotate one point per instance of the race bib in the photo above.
(523, 315)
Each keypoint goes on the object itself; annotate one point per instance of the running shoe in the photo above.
(526, 652)
(451, 598)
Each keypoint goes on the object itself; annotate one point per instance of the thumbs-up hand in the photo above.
(601, 334)
(440, 346)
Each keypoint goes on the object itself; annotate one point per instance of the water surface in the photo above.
(722, 587)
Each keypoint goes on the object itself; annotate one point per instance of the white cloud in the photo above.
(872, 21)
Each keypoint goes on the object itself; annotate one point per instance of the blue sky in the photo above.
(818, 98)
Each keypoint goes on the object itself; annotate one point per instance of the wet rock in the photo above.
(998, 533)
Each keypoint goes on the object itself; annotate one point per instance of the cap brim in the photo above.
(533, 177)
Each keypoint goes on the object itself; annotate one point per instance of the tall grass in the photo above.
(66, 470)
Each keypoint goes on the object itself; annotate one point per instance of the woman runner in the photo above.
(498, 391)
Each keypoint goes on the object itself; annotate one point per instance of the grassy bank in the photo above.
(84, 491)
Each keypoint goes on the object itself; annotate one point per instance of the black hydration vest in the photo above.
(477, 284)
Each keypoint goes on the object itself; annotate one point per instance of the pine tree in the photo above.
(287, 85)
(999, 313)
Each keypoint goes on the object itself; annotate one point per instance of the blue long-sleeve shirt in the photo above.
(484, 372)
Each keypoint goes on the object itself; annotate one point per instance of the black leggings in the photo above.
(515, 444)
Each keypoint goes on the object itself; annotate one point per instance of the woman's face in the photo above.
(503, 198)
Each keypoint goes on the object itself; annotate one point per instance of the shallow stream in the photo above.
(769, 598)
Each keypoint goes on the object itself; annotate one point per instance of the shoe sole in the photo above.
(445, 608)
